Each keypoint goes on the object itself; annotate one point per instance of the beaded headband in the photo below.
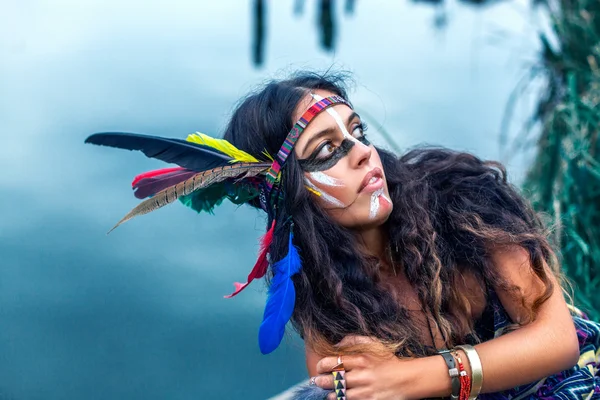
(274, 172)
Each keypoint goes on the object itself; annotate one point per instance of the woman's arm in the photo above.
(541, 348)
(538, 349)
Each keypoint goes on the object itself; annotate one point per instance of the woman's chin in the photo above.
(365, 215)
(379, 212)
(378, 220)
(367, 221)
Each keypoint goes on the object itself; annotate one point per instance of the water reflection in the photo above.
(259, 32)
(327, 24)
(473, 2)
(327, 21)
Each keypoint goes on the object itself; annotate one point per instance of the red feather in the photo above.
(151, 174)
(149, 186)
(260, 268)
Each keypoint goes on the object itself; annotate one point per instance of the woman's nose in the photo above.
(360, 153)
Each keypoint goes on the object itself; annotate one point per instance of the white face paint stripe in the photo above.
(325, 179)
(337, 118)
(386, 198)
(375, 203)
(326, 197)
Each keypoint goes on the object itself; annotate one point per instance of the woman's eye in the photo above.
(326, 150)
(359, 133)
(359, 130)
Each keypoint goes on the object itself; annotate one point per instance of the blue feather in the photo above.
(280, 301)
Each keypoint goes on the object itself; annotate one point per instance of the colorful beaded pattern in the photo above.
(339, 384)
(292, 137)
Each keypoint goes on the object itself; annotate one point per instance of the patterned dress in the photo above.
(580, 382)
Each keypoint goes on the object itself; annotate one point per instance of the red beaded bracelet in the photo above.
(465, 379)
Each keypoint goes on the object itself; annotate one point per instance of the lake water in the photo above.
(139, 314)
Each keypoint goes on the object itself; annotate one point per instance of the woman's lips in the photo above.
(372, 181)
(374, 184)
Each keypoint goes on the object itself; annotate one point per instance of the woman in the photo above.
(384, 264)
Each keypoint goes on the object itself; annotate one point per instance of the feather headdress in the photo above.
(210, 170)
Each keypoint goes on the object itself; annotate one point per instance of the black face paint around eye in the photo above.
(363, 139)
(313, 164)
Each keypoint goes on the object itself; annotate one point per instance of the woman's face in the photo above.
(342, 169)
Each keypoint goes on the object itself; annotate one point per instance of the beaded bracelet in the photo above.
(476, 370)
(453, 372)
(465, 379)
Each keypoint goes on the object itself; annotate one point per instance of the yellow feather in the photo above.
(266, 154)
(222, 145)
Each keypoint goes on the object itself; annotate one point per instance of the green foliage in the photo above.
(564, 180)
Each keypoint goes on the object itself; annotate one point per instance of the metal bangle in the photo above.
(453, 372)
(476, 370)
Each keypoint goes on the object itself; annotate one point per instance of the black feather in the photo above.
(176, 151)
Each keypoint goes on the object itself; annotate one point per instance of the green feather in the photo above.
(207, 199)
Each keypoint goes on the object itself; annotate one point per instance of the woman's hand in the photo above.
(368, 377)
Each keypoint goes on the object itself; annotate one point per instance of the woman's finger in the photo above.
(326, 381)
(327, 364)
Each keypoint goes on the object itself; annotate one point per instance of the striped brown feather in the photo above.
(198, 181)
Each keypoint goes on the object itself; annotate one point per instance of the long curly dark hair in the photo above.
(451, 209)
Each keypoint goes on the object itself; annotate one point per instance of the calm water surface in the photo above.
(139, 314)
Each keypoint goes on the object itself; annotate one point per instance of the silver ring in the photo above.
(312, 381)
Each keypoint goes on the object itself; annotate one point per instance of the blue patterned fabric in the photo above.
(580, 382)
